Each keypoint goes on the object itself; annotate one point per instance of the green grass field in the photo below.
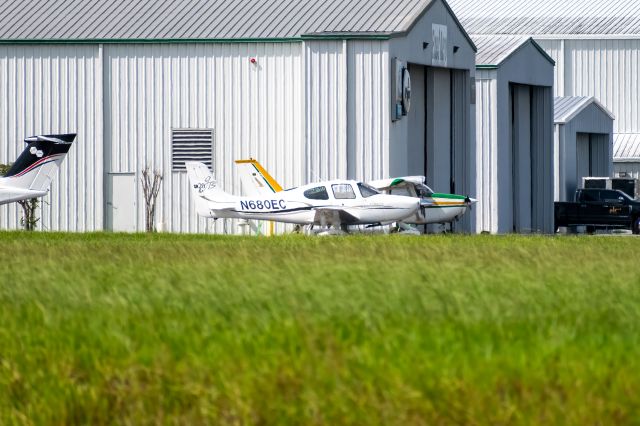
(165, 329)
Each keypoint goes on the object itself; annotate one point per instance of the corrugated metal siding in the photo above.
(255, 111)
(486, 143)
(194, 19)
(608, 70)
(605, 69)
(369, 108)
(326, 110)
(549, 16)
(57, 89)
(555, 49)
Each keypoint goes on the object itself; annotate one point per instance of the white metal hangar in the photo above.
(514, 135)
(314, 90)
(596, 46)
(583, 134)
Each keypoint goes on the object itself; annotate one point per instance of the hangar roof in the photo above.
(494, 50)
(565, 108)
(549, 17)
(198, 20)
(626, 146)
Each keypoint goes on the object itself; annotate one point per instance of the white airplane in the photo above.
(31, 174)
(336, 203)
(434, 207)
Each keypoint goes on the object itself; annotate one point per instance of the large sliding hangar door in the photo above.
(530, 147)
(434, 138)
(438, 124)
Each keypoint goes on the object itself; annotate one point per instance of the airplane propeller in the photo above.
(469, 202)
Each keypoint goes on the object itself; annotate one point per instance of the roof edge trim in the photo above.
(304, 37)
(348, 36)
(150, 40)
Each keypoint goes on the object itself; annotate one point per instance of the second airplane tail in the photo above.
(256, 181)
(204, 188)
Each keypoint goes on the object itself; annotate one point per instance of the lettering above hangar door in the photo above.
(439, 52)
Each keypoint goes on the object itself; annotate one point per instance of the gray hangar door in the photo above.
(531, 158)
(592, 152)
(438, 127)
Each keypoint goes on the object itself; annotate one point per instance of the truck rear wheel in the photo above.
(635, 225)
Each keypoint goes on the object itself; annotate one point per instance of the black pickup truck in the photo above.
(599, 208)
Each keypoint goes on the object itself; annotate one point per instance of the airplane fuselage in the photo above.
(298, 206)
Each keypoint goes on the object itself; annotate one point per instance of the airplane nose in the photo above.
(470, 201)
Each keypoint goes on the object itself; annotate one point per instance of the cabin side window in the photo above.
(343, 191)
(317, 193)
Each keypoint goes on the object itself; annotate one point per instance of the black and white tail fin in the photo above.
(37, 164)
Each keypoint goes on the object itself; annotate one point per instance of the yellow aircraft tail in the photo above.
(255, 179)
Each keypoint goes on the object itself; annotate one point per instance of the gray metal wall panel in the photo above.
(256, 110)
(55, 89)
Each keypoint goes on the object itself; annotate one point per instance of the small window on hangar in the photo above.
(191, 145)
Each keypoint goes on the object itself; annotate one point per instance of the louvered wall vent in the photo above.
(191, 145)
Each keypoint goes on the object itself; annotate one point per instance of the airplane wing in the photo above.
(334, 216)
(386, 184)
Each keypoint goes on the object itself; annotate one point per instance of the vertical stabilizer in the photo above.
(35, 167)
(256, 181)
(206, 191)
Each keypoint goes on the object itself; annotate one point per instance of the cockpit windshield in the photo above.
(367, 190)
(423, 191)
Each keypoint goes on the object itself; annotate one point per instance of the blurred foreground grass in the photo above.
(139, 329)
